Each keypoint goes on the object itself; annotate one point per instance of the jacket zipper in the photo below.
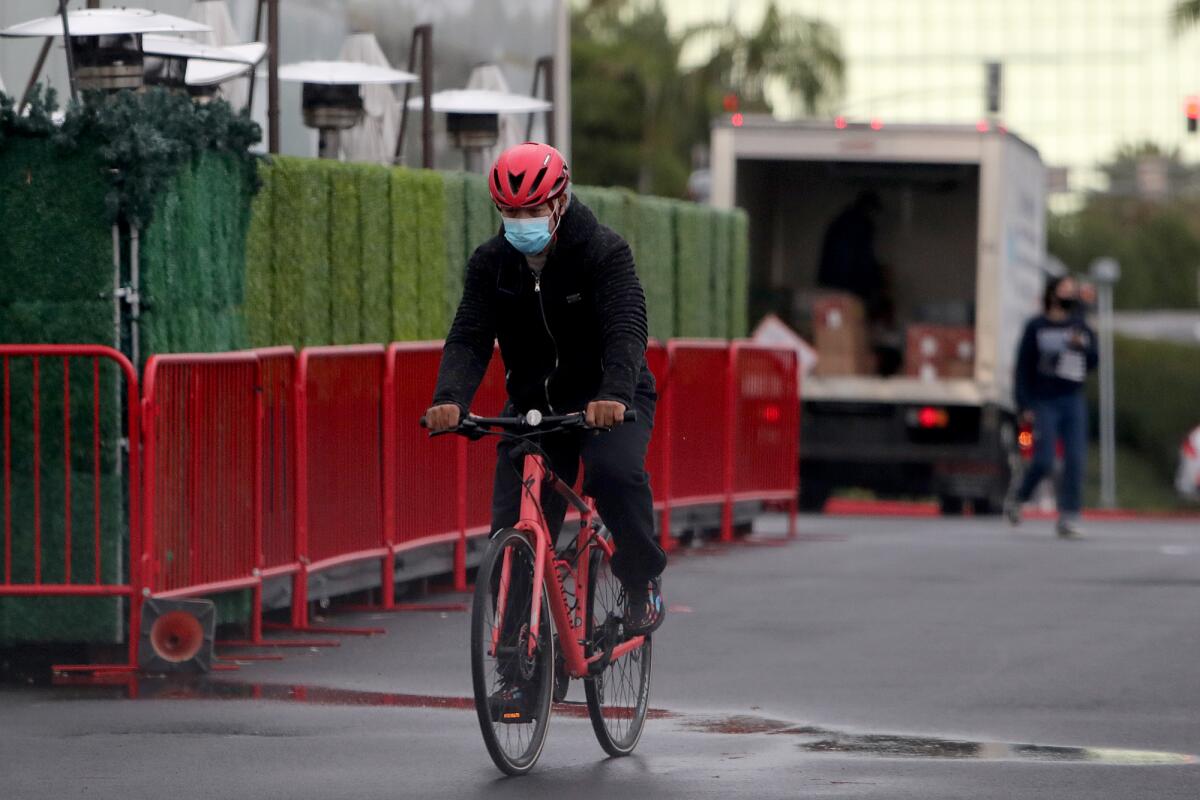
(537, 289)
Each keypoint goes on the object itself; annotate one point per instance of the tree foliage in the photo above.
(1157, 241)
(143, 137)
(640, 116)
(1186, 15)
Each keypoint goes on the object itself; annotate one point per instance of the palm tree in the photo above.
(799, 54)
(638, 115)
(1186, 15)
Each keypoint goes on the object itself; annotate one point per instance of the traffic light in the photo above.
(1192, 109)
(993, 73)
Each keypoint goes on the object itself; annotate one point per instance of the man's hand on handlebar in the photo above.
(605, 413)
(442, 418)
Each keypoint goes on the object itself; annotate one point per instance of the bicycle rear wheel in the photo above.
(618, 697)
(513, 730)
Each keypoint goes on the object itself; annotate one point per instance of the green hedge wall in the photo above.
(1157, 389)
(337, 251)
(375, 221)
(56, 259)
(193, 256)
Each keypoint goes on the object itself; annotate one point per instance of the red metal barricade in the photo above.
(267, 463)
(56, 400)
(658, 461)
(339, 461)
(203, 472)
(698, 405)
(424, 502)
(277, 373)
(763, 435)
(481, 457)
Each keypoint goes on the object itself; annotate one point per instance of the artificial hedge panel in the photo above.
(406, 257)
(260, 267)
(414, 232)
(454, 189)
(654, 253)
(483, 221)
(739, 273)
(436, 280)
(193, 259)
(345, 255)
(693, 268)
(301, 253)
(721, 227)
(57, 244)
(375, 193)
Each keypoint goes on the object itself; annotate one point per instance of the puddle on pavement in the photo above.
(817, 740)
(894, 746)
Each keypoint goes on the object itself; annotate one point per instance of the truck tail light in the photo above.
(932, 417)
(772, 414)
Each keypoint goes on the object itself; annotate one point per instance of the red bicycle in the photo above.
(543, 616)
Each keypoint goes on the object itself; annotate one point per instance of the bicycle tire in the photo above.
(618, 697)
(514, 748)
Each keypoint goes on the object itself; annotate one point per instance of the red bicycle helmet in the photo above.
(528, 175)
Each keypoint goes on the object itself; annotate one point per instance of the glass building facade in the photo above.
(1080, 77)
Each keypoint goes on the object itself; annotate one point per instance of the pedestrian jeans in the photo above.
(614, 470)
(1062, 418)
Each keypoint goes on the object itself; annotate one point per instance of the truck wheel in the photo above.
(813, 496)
(950, 506)
(987, 506)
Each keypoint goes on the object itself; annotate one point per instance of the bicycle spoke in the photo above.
(618, 696)
(506, 678)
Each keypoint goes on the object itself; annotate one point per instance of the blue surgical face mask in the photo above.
(530, 236)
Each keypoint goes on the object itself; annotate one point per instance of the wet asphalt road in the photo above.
(870, 659)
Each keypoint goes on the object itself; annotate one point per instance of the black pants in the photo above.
(614, 472)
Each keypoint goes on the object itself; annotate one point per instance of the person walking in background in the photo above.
(1056, 353)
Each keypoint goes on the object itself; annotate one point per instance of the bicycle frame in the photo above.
(570, 630)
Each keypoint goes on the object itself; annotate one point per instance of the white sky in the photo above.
(1081, 76)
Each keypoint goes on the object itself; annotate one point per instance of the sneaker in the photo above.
(1068, 528)
(512, 704)
(644, 608)
(1012, 511)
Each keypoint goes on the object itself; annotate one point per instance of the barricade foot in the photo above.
(335, 631)
(398, 607)
(305, 643)
(249, 657)
(94, 669)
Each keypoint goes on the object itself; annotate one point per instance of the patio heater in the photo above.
(105, 44)
(186, 65)
(331, 98)
(473, 118)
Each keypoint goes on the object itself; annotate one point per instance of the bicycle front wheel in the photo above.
(618, 697)
(512, 688)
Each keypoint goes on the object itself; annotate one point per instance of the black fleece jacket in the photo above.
(573, 334)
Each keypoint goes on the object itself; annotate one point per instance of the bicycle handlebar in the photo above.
(527, 423)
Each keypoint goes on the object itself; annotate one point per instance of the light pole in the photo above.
(1106, 272)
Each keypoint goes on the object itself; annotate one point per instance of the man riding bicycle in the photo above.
(560, 293)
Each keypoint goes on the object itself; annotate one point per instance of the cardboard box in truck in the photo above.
(841, 336)
(939, 352)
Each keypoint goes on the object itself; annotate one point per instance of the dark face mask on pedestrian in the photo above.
(1067, 304)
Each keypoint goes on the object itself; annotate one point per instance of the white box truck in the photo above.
(959, 232)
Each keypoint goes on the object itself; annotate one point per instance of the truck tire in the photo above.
(950, 505)
(987, 506)
(813, 495)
